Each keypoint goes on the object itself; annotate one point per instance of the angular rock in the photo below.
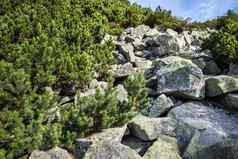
(231, 101)
(110, 150)
(136, 144)
(219, 85)
(58, 153)
(128, 51)
(142, 63)
(152, 33)
(55, 153)
(206, 132)
(36, 154)
(122, 70)
(233, 69)
(148, 129)
(179, 77)
(159, 106)
(211, 68)
(122, 94)
(138, 45)
(113, 134)
(164, 148)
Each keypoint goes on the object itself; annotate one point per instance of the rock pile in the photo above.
(192, 113)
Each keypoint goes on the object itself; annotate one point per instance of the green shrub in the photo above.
(136, 87)
(224, 43)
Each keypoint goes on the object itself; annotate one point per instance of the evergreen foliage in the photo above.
(224, 43)
(57, 43)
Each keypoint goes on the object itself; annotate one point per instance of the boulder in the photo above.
(148, 129)
(110, 150)
(142, 63)
(164, 148)
(230, 101)
(179, 77)
(205, 132)
(233, 69)
(119, 71)
(219, 85)
(139, 45)
(136, 144)
(37, 154)
(158, 106)
(168, 44)
(55, 153)
(211, 68)
(127, 50)
(122, 94)
(83, 145)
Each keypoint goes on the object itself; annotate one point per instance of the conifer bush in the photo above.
(224, 43)
(57, 43)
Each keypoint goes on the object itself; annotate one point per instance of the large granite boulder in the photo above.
(206, 132)
(54, 153)
(83, 145)
(158, 106)
(127, 50)
(164, 148)
(148, 129)
(179, 77)
(219, 85)
(230, 101)
(111, 150)
(120, 71)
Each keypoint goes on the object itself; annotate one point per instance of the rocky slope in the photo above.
(192, 113)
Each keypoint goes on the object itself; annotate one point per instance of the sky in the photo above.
(199, 10)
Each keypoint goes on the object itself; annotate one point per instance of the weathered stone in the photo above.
(136, 144)
(148, 129)
(231, 101)
(110, 150)
(218, 85)
(122, 94)
(211, 68)
(127, 50)
(36, 154)
(58, 153)
(152, 33)
(139, 45)
(142, 63)
(179, 77)
(159, 106)
(205, 132)
(164, 148)
(233, 69)
(113, 134)
(55, 153)
(122, 70)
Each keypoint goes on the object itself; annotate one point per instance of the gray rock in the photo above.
(139, 45)
(211, 68)
(152, 33)
(113, 134)
(122, 70)
(218, 85)
(179, 77)
(205, 132)
(158, 106)
(233, 69)
(110, 150)
(164, 148)
(36, 154)
(128, 51)
(121, 59)
(148, 129)
(136, 144)
(231, 101)
(55, 153)
(58, 153)
(122, 94)
(142, 63)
